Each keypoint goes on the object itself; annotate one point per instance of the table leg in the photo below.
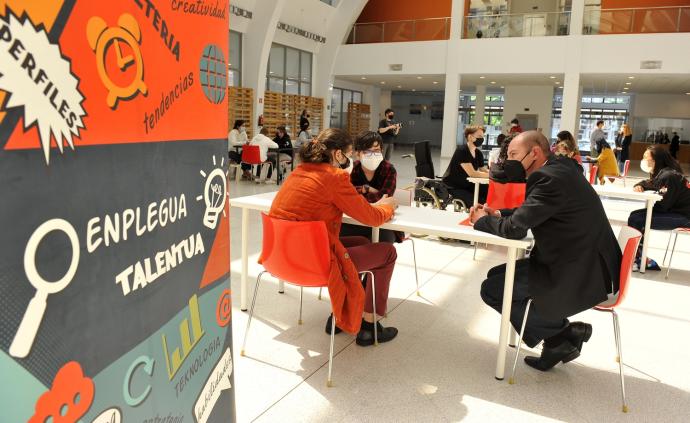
(476, 194)
(245, 259)
(647, 235)
(374, 234)
(505, 313)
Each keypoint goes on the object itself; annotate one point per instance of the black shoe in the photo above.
(564, 352)
(579, 333)
(329, 324)
(365, 337)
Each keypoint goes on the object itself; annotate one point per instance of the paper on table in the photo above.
(465, 222)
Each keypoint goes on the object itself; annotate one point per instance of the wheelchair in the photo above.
(429, 190)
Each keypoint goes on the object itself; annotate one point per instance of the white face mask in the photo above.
(644, 165)
(372, 161)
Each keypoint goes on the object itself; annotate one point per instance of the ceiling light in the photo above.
(493, 82)
(383, 82)
(628, 83)
(502, 86)
(482, 77)
(631, 77)
(419, 77)
(435, 82)
(625, 88)
(399, 86)
(461, 91)
(552, 77)
(413, 89)
(687, 93)
(364, 77)
(557, 82)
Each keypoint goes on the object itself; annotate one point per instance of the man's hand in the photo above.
(476, 213)
(638, 188)
(387, 201)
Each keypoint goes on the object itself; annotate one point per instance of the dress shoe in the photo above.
(329, 325)
(564, 352)
(365, 337)
(578, 333)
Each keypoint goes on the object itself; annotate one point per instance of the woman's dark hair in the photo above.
(662, 160)
(500, 139)
(238, 123)
(503, 153)
(304, 113)
(567, 137)
(600, 122)
(320, 149)
(366, 139)
(515, 121)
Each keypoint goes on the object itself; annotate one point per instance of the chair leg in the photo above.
(668, 244)
(474, 255)
(238, 174)
(251, 312)
(414, 259)
(329, 382)
(320, 289)
(670, 259)
(301, 294)
(281, 286)
(619, 348)
(519, 345)
(373, 302)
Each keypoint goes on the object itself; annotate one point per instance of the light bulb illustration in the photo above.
(215, 192)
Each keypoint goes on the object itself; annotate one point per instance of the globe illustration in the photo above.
(213, 73)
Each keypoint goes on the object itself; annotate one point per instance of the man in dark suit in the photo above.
(576, 259)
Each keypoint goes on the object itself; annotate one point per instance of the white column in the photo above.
(480, 105)
(577, 15)
(452, 87)
(257, 47)
(570, 109)
(337, 29)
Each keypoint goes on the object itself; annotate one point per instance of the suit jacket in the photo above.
(576, 259)
(316, 192)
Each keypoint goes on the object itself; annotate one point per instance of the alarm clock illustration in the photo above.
(104, 40)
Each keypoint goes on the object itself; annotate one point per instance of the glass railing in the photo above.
(517, 25)
(637, 21)
(399, 31)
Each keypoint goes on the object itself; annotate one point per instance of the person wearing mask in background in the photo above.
(566, 146)
(388, 131)
(572, 266)
(675, 145)
(237, 138)
(304, 135)
(467, 162)
(373, 177)
(626, 135)
(320, 190)
(284, 143)
(673, 211)
(606, 160)
(515, 127)
(304, 119)
(264, 142)
(596, 135)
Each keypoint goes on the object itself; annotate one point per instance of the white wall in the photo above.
(428, 57)
(538, 99)
(662, 106)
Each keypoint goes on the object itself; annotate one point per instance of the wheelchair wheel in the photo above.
(459, 206)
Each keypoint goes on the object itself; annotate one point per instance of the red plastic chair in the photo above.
(251, 155)
(628, 240)
(504, 196)
(593, 174)
(298, 253)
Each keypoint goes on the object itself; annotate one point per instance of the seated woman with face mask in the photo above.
(374, 178)
(606, 160)
(467, 162)
(320, 190)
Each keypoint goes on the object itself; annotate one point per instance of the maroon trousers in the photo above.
(378, 258)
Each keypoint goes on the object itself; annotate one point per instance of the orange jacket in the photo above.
(322, 192)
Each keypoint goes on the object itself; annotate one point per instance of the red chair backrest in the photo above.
(626, 166)
(628, 240)
(296, 252)
(505, 196)
(251, 154)
(592, 174)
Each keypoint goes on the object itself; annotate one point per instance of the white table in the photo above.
(414, 220)
(477, 182)
(627, 193)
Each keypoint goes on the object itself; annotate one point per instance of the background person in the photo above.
(304, 119)
(626, 134)
(237, 138)
(304, 135)
(467, 162)
(320, 190)
(572, 266)
(596, 135)
(261, 139)
(515, 127)
(388, 130)
(373, 177)
(606, 160)
(566, 144)
(675, 145)
(665, 177)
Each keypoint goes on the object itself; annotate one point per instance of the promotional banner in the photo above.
(114, 227)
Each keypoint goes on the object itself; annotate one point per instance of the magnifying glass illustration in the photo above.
(28, 328)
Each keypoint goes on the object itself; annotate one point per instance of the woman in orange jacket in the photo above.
(320, 190)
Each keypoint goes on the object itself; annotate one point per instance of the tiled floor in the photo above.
(441, 366)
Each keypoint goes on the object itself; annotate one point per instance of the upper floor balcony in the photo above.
(636, 20)
(396, 31)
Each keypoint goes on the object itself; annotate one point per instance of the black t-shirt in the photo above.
(284, 142)
(455, 175)
(388, 136)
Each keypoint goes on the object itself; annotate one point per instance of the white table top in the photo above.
(479, 180)
(617, 191)
(408, 219)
